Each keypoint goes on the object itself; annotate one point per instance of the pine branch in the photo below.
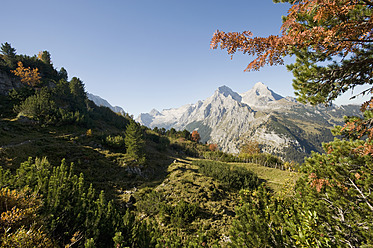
(369, 3)
(361, 193)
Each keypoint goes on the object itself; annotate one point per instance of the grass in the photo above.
(174, 178)
(276, 179)
(216, 203)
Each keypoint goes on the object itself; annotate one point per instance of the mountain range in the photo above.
(281, 125)
(102, 102)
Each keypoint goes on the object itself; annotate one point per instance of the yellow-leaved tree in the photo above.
(28, 76)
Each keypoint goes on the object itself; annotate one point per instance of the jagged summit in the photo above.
(228, 119)
(260, 95)
(154, 112)
(226, 91)
(99, 101)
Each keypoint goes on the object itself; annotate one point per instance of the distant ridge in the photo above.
(102, 102)
(280, 124)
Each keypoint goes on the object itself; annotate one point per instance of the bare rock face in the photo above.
(7, 83)
(281, 125)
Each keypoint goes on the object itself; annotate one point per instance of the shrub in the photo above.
(232, 177)
(39, 107)
(180, 215)
(115, 141)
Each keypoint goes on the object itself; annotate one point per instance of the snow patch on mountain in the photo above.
(280, 124)
(259, 96)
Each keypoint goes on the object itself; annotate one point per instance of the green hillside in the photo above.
(73, 174)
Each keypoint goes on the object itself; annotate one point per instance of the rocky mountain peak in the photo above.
(260, 95)
(226, 91)
(228, 119)
(102, 102)
(154, 112)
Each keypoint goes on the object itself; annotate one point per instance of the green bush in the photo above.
(69, 207)
(231, 176)
(151, 202)
(115, 141)
(180, 215)
(39, 107)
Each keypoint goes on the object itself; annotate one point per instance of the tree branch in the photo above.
(361, 193)
(369, 3)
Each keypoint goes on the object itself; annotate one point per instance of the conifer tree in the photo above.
(9, 54)
(134, 141)
(63, 74)
(332, 42)
(8, 50)
(79, 95)
(332, 205)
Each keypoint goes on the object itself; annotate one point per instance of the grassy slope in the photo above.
(217, 205)
(276, 179)
(173, 177)
(103, 166)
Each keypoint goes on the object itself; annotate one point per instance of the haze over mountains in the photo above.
(280, 124)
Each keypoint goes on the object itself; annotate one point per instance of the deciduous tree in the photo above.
(250, 147)
(332, 204)
(45, 56)
(213, 147)
(195, 136)
(331, 39)
(28, 76)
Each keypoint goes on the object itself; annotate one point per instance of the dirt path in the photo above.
(15, 145)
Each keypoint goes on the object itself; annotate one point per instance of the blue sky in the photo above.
(146, 54)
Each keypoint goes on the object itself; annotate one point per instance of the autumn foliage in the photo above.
(337, 33)
(195, 136)
(28, 76)
(345, 31)
(213, 147)
(250, 147)
(332, 203)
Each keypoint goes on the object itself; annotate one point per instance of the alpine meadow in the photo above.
(252, 169)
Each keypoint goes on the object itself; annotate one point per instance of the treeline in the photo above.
(173, 133)
(45, 96)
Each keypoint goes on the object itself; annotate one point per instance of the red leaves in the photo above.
(269, 50)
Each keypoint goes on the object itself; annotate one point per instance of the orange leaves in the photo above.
(28, 76)
(250, 147)
(269, 50)
(318, 183)
(213, 147)
(328, 26)
(40, 55)
(16, 207)
(195, 136)
(333, 26)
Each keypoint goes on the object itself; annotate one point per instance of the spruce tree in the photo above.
(134, 141)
